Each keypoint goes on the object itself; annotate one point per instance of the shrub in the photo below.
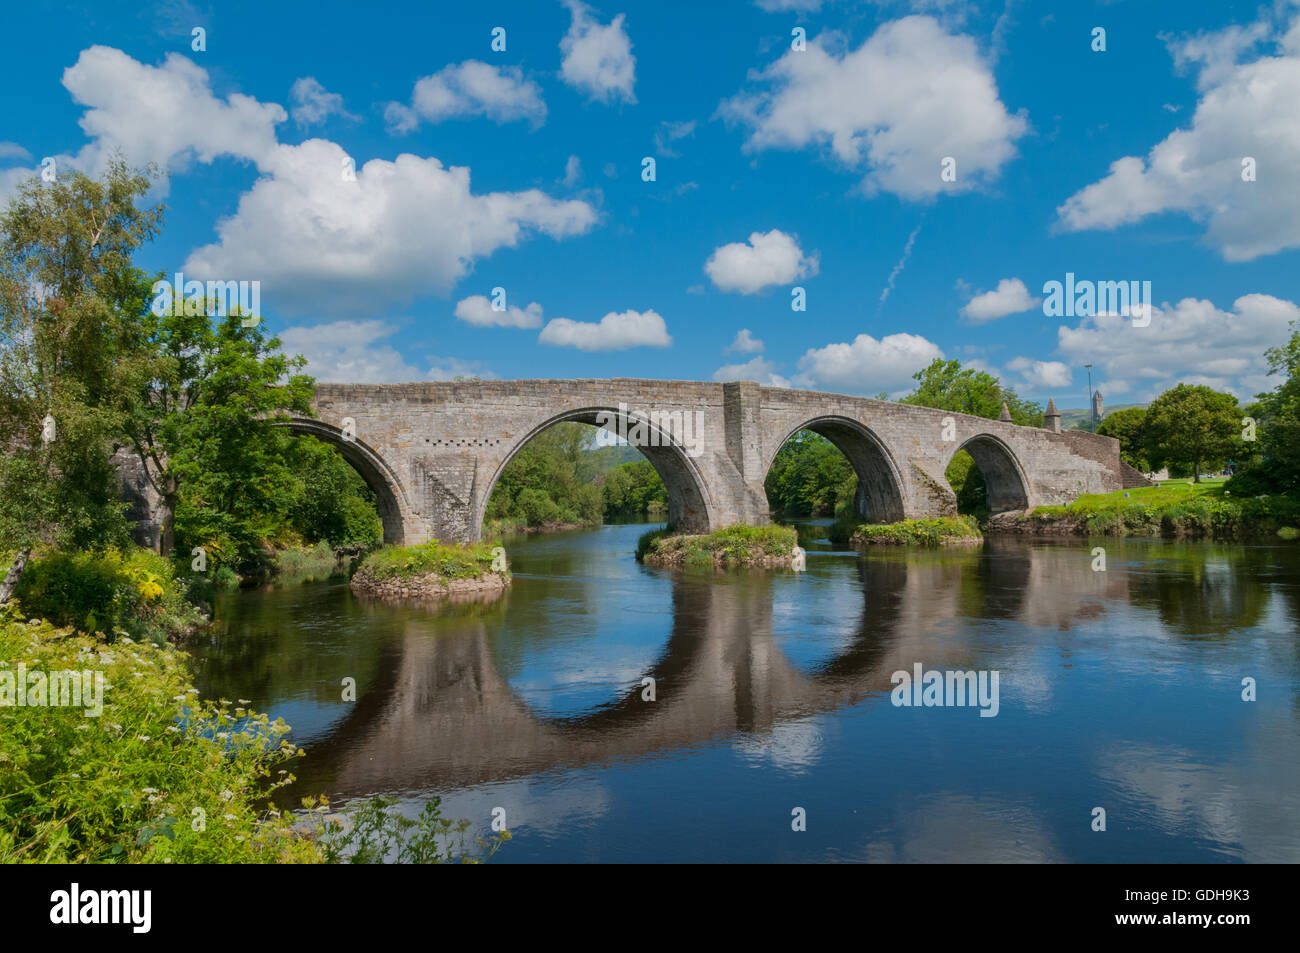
(129, 785)
(112, 592)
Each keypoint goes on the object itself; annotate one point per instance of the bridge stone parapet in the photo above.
(434, 451)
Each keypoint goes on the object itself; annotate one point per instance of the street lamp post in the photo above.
(1091, 406)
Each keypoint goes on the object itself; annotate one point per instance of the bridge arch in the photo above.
(880, 484)
(1004, 477)
(390, 499)
(690, 506)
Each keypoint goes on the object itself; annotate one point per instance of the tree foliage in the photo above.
(946, 385)
(1128, 426)
(1195, 426)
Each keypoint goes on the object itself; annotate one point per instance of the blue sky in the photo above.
(774, 168)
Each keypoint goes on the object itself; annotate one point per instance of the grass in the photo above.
(1176, 508)
(467, 561)
(934, 531)
(730, 546)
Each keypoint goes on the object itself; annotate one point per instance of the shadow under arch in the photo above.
(690, 508)
(1004, 477)
(880, 497)
(379, 476)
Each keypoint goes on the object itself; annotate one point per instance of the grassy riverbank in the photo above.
(940, 531)
(771, 546)
(1174, 509)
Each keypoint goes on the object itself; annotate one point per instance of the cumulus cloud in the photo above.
(471, 88)
(403, 228)
(910, 95)
(755, 369)
(313, 103)
(598, 58)
(352, 352)
(745, 343)
(12, 150)
(165, 114)
(1041, 375)
(1190, 342)
(477, 310)
(616, 331)
(768, 259)
(1009, 297)
(867, 365)
(1245, 110)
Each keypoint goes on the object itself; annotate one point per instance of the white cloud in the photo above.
(477, 310)
(350, 352)
(1041, 375)
(404, 228)
(755, 369)
(165, 114)
(313, 103)
(1191, 342)
(614, 332)
(867, 365)
(1009, 297)
(598, 58)
(572, 171)
(745, 343)
(471, 88)
(12, 150)
(771, 259)
(347, 352)
(910, 95)
(1245, 110)
(785, 6)
(670, 132)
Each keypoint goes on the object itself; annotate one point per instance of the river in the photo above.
(1120, 689)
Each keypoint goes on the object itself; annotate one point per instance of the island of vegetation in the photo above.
(432, 570)
(769, 547)
(937, 531)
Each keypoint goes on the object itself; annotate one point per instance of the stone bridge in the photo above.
(432, 452)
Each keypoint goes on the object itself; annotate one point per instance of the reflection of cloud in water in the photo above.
(792, 746)
(1248, 806)
(537, 808)
(955, 827)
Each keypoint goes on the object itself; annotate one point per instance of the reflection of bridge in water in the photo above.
(441, 716)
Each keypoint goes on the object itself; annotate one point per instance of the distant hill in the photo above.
(1082, 419)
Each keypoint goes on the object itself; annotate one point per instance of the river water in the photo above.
(1119, 689)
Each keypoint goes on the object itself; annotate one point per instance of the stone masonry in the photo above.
(433, 451)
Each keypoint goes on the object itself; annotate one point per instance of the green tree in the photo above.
(68, 299)
(810, 477)
(199, 404)
(1195, 426)
(1277, 415)
(946, 385)
(634, 490)
(550, 480)
(1128, 426)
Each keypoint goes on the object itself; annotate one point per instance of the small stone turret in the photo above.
(1005, 416)
(1053, 416)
